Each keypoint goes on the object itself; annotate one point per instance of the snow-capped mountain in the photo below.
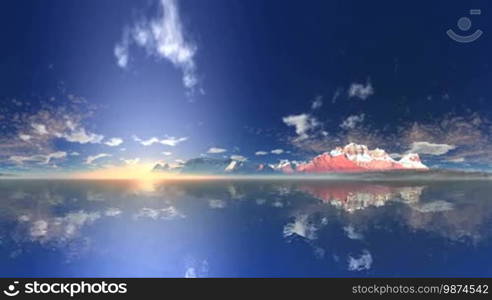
(357, 158)
(351, 158)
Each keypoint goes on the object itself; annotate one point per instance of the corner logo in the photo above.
(464, 24)
(11, 291)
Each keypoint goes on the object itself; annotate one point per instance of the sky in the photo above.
(92, 87)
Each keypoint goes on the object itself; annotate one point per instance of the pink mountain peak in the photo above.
(358, 158)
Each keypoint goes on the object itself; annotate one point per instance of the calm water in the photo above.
(245, 228)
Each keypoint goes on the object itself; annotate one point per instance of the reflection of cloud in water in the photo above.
(432, 207)
(168, 213)
(356, 196)
(304, 226)
(112, 212)
(94, 196)
(217, 203)
(59, 228)
(196, 270)
(352, 233)
(360, 263)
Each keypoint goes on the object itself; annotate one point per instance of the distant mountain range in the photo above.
(352, 158)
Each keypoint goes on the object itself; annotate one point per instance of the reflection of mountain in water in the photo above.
(355, 196)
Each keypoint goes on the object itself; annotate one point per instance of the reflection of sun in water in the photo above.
(146, 185)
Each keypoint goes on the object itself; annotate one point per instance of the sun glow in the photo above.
(140, 172)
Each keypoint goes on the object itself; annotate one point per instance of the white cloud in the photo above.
(396, 155)
(93, 158)
(149, 142)
(42, 159)
(238, 157)
(167, 153)
(259, 153)
(25, 137)
(317, 103)
(82, 137)
(168, 141)
(133, 161)
(39, 128)
(361, 91)
(121, 54)
(352, 121)
(75, 153)
(215, 150)
(172, 141)
(361, 263)
(162, 37)
(430, 148)
(59, 154)
(277, 151)
(113, 142)
(302, 123)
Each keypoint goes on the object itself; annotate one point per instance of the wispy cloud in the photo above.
(39, 128)
(40, 158)
(277, 151)
(351, 121)
(215, 150)
(430, 148)
(163, 37)
(259, 153)
(361, 91)
(113, 142)
(81, 136)
(168, 141)
(131, 162)
(33, 133)
(317, 102)
(121, 53)
(93, 158)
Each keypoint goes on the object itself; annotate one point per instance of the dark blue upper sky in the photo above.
(89, 83)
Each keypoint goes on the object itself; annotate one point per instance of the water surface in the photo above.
(238, 228)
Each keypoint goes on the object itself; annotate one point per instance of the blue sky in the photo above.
(94, 84)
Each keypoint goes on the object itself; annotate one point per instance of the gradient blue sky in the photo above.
(93, 84)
